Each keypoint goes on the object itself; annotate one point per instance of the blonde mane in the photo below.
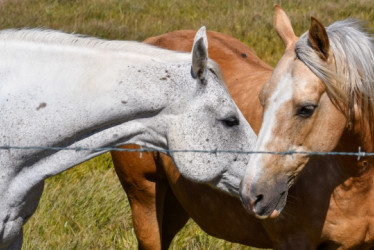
(352, 84)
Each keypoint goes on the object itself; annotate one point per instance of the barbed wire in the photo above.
(359, 153)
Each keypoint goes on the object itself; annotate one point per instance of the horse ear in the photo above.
(318, 39)
(200, 54)
(283, 27)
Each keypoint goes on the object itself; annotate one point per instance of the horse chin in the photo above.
(273, 215)
(227, 183)
(275, 211)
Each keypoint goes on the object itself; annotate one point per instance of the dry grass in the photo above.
(86, 207)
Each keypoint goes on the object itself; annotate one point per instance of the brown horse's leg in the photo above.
(157, 214)
(175, 217)
(145, 188)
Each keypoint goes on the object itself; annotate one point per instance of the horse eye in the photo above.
(306, 110)
(231, 121)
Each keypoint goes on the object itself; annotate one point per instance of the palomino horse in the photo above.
(64, 90)
(162, 200)
(319, 98)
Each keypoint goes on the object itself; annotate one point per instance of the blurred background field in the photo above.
(86, 208)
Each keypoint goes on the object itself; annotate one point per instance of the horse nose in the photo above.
(252, 200)
(246, 196)
(258, 200)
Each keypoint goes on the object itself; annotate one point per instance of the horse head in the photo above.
(314, 95)
(211, 121)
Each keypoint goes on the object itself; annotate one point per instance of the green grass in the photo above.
(85, 207)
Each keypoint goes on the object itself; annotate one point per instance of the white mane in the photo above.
(60, 38)
(77, 40)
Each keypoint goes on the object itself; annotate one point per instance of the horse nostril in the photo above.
(259, 198)
(254, 202)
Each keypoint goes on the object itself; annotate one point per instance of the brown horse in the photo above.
(162, 201)
(152, 183)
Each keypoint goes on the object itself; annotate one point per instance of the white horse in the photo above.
(65, 90)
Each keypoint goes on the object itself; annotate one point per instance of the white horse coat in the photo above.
(65, 90)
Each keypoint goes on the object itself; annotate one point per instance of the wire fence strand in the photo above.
(357, 154)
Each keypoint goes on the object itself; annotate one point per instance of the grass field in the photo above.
(85, 208)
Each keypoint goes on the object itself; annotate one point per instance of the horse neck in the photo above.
(356, 137)
(343, 181)
(86, 98)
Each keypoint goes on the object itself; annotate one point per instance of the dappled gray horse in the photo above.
(64, 90)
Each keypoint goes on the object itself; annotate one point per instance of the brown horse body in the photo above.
(152, 182)
(321, 211)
